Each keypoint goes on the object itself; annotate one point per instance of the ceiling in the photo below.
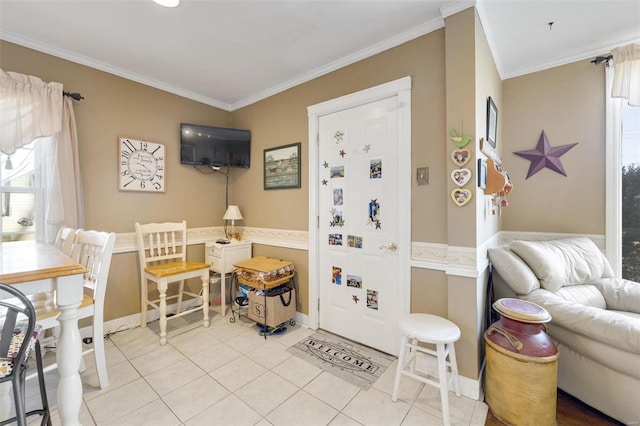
(230, 54)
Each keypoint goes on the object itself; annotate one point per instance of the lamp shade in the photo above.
(232, 213)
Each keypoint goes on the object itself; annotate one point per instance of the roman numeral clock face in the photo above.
(141, 166)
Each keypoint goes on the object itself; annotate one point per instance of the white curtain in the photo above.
(31, 109)
(626, 73)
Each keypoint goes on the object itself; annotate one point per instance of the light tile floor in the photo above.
(229, 375)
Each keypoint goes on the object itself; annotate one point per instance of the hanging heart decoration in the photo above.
(461, 196)
(461, 176)
(460, 157)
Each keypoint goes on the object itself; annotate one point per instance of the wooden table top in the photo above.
(23, 261)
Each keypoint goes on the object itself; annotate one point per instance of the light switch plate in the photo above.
(422, 175)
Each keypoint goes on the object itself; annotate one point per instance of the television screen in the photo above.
(214, 146)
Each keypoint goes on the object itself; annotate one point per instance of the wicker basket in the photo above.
(264, 272)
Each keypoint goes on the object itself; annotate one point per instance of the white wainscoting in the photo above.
(453, 260)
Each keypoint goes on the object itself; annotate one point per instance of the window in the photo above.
(20, 196)
(630, 192)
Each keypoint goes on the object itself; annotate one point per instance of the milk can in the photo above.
(521, 365)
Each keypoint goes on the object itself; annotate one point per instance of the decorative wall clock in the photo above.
(141, 166)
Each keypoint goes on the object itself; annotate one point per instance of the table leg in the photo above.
(68, 356)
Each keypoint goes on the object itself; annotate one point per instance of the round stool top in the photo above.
(521, 310)
(429, 328)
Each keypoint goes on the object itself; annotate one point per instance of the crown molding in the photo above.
(387, 44)
(120, 72)
(455, 7)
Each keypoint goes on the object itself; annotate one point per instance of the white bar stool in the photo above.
(436, 330)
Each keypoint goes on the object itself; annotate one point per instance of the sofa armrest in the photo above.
(619, 294)
(618, 330)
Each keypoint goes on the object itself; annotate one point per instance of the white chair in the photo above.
(93, 250)
(163, 259)
(64, 240)
(434, 330)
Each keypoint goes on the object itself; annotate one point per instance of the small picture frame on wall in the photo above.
(282, 167)
(492, 122)
(482, 173)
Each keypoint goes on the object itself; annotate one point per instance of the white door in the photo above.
(363, 232)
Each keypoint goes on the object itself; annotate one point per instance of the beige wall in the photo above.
(461, 115)
(567, 102)
(114, 107)
(488, 83)
(471, 77)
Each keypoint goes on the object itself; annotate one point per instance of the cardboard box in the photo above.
(280, 308)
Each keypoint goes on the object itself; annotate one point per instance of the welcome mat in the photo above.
(350, 361)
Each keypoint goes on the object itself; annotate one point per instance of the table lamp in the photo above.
(233, 214)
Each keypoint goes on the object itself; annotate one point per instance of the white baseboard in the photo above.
(133, 321)
(471, 388)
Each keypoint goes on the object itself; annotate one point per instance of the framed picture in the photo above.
(492, 122)
(282, 167)
(482, 173)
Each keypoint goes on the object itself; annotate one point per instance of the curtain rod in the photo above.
(76, 96)
(600, 59)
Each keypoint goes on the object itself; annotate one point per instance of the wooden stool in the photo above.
(441, 332)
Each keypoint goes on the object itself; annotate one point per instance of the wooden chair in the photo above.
(65, 239)
(93, 250)
(18, 338)
(163, 259)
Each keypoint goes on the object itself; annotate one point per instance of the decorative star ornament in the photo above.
(324, 182)
(325, 164)
(355, 298)
(545, 156)
(342, 153)
(366, 148)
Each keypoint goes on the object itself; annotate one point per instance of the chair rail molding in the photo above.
(126, 242)
(453, 260)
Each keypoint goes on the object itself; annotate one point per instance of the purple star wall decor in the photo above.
(545, 156)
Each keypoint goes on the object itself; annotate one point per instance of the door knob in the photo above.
(390, 247)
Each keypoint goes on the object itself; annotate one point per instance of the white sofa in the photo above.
(595, 318)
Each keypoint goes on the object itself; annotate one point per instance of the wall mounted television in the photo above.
(214, 146)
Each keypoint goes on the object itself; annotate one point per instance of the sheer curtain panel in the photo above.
(63, 184)
(626, 73)
(31, 109)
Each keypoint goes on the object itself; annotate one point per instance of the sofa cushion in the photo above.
(583, 294)
(620, 294)
(513, 270)
(609, 327)
(562, 262)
